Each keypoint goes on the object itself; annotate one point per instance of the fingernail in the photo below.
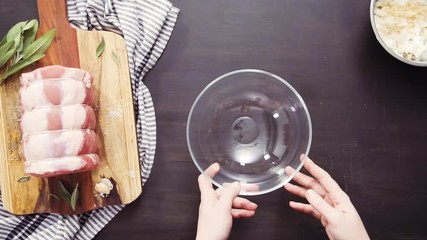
(216, 167)
(254, 205)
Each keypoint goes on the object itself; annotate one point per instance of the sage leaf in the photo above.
(6, 52)
(8, 55)
(115, 58)
(18, 38)
(100, 47)
(23, 179)
(70, 199)
(20, 45)
(30, 31)
(40, 45)
(13, 37)
(18, 41)
(27, 37)
(12, 33)
(75, 197)
(64, 194)
(6, 47)
(15, 31)
(54, 196)
(30, 25)
(20, 65)
(3, 40)
(19, 48)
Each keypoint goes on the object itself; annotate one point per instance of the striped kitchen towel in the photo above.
(146, 26)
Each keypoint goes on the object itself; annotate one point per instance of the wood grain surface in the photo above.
(368, 111)
(117, 145)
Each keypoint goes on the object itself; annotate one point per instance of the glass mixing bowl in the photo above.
(254, 124)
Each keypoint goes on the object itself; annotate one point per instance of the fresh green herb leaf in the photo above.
(30, 31)
(20, 45)
(70, 199)
(6, 47)
(6, 57)
(100, 47)
(75, 197)
(115, 58)
(26, 38)
(18, 48)
(15, 35)
(23, 179)
(6, 52)
(3, 41)
(15, 31)
(64, 194)
(20, 65)
(12, 33)
(19, 40)
(54, 196)
(31, 24)
(40, 45)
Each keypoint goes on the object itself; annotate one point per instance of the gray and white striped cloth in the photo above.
(146, 26)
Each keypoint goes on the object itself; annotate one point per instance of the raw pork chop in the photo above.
(56, 71)
(58, 121)
(54, 144)
(56, 91)
(76, 116)
(60, 166)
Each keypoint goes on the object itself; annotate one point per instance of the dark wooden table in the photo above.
(369, 114)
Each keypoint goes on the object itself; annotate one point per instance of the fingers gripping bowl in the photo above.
(254, 124)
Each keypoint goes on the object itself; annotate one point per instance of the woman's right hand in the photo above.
(326, 202)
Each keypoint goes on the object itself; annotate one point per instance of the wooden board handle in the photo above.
(63, 51)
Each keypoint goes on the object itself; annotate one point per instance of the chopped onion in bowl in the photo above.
(402, 24)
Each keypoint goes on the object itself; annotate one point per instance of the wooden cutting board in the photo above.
(117, 145)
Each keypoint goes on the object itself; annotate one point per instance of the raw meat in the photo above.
(77, 116)
(55, 92)
(58, 121)
(56, 71)
(59, 166)
(54, 144)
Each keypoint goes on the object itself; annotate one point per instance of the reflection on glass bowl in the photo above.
(254, 124)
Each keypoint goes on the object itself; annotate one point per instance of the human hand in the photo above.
(219, 207)
(327, 202)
